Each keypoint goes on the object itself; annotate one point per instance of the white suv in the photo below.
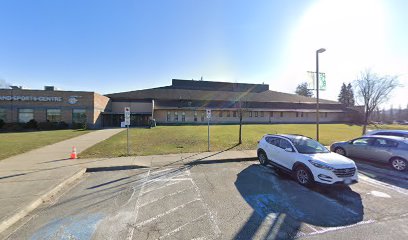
(306, 159)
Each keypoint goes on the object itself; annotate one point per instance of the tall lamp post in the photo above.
(321, 50)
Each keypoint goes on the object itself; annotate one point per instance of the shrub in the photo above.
(47, 126)
(1, 123)
(79, 126)
(32, 124)
(12, 127)
(62, 125)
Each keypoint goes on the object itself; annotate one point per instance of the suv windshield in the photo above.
(309, 146)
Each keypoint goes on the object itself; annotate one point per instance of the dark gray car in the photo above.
(386, 149)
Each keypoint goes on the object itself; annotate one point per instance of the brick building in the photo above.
(183, 102)
(21, 105)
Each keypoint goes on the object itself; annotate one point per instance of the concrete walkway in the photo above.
(27, 179)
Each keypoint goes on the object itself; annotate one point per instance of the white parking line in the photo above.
(166, 212)
(166, 196)
(216, 229)
(376, 183)
(330, 229)
(136, 211)
(182, 226)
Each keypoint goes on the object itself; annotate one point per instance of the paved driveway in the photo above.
(216, 200)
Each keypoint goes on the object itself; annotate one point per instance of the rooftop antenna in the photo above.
(201, 78)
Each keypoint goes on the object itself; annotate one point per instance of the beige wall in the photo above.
(161, 117)
(101, 104)
(135, 107)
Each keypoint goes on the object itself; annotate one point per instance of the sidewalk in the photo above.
(26, 178)
(23, 187)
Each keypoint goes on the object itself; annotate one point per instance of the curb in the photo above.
(33, 205)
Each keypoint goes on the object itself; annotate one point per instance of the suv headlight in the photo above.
(321, 165)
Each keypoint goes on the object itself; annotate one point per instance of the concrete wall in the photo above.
(289, 117)
(135, 107)
(101, 104)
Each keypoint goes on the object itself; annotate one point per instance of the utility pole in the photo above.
(321, 50)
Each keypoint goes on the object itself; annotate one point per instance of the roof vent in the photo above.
(49, 88)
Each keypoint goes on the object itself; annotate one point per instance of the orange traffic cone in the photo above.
(73, 153)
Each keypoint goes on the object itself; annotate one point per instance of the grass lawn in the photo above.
(20, 142)
(182, 139)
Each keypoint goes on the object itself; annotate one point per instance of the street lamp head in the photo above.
(321, 50)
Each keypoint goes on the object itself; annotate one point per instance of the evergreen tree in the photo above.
(346, 96)
(350, 95)
(343, 94)
(302, 90)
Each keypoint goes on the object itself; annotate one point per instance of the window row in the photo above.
(52, 115)
(174, 116)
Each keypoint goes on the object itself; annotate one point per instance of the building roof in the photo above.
(200, 90)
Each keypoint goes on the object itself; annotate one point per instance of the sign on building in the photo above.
(311, 80)
(127, 116)
(208, 113)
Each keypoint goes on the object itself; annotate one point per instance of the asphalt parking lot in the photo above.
(220, 200)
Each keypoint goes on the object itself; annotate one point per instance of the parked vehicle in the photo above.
(306, 159)
(380, 148)
(387, 132)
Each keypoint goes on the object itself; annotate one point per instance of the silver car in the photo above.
(386, 149)
(388, 132)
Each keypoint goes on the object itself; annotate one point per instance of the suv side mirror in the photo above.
(288, 149)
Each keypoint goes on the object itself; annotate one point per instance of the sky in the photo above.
(115, 46)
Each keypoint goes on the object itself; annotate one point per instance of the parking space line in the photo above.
(182, 226)
(163, 186)
(377, 183)
(216, 229)
(166, 212)
(166, 196)
(310, 226)
(136, 211)
(330, 229)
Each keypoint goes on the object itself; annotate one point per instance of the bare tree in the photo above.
(374, 90)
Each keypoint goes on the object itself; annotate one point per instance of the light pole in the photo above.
(321, 50)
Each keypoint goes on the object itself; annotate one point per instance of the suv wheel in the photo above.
(303, 176)
(263, 159)
(399, 164)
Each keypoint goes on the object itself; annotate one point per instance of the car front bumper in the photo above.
(324, 176)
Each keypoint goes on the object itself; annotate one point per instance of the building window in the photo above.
(228, 114)
(202, 116)
(301, 114)
(183, 116)
(256, 114)
(306, 115)
(220, 114)
(53, 115)
(78, 116)
(281, 114)
(176, 116)
(297, 114)
(195, 116)
(262, 114)
(250, 114)
(25, 115)
(325, 114)
(3, 114)
(234, 114)
(271, 114)
(168, 116)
